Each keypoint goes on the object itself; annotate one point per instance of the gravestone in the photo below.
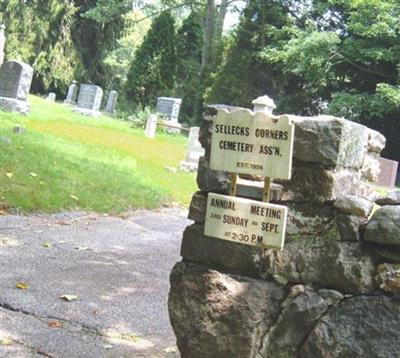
(2, 43)
(111, 103)
(51, 97)
(15, 83)
(72, 94)
(388, 172)
(89, 100)
(151, 126)
(194, 151)
(169, 107)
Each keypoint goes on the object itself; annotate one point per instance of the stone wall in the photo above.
(332, 291)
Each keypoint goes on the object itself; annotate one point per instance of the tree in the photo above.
(153, 69)
(39, 33)
(338, 56)
(189, 56)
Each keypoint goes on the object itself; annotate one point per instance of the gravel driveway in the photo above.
(115, 270)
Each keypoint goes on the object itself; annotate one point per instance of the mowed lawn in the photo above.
(67, 161)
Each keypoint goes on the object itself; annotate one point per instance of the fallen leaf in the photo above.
(9, 174)
(46, 244)
(74, 197)
(62, 222)
(22, 285)
(170, 350)
(69, 298)
(6, 342)
(8, 241)
(81, 248)
(54, 324)
(33, 174)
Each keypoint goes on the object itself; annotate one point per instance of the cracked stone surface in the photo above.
(119, 269)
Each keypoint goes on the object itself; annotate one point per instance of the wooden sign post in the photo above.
(256, 144)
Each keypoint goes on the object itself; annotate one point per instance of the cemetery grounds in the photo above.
(85, 273)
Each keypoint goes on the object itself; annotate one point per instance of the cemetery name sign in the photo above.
(244, 142)
(256, 144)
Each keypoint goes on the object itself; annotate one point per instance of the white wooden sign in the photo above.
(244, 142)
(245, 221)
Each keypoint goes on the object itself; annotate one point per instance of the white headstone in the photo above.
(89, 100)
(2, 42)
(151, 126)
(111, 102)
(15, 83)
(264, 104)
(72, 94)
(51, 97)
(194, 151)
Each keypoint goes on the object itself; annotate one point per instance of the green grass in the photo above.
(68, 161)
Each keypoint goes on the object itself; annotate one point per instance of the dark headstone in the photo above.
(15, 83)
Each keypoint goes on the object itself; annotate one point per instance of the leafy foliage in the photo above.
(153, 70)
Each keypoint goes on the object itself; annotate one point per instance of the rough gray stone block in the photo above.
(358, 327)
(323, 260)
(384, 227)
(330, 141)
(216, 315)
(220, 254)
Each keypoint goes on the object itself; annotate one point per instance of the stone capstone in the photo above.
(216, 315)
(354, 205)
(330, 141)
(388, 277)
(384, 227)
(357, 327)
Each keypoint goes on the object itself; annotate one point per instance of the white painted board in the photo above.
(245, 142)
(245, 221)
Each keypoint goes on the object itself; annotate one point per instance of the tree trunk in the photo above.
(208, 36)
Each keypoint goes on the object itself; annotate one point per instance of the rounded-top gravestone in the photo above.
(15, 83)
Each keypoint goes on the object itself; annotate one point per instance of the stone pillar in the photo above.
(2, 42)
(329, 290)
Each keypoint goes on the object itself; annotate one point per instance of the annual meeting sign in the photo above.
(244, 142)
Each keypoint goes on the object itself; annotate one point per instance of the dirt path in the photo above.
(117, 267)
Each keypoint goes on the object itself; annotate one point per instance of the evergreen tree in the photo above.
(152, 72)
(39, 33)
(189, 45)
